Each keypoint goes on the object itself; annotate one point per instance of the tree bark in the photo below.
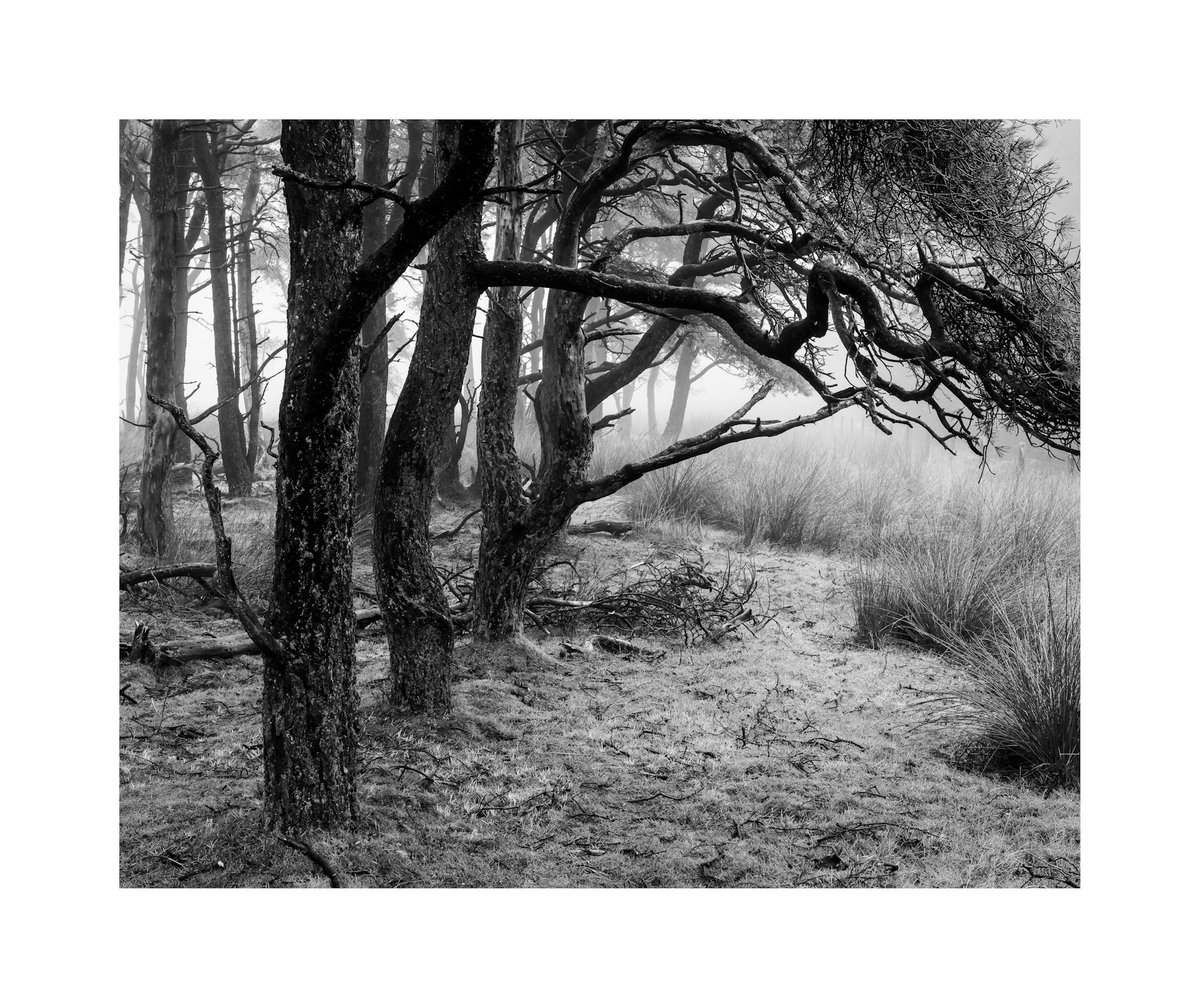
(372, 409)
(679, 397)
(311, 721)
(233, 437)
(245, 278)
(186, 238)
(416, 617)
(500, 587)
(155, 520)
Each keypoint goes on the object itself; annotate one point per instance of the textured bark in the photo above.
(248, 320)
(679, 396)
(372, 409)
(500, 580)
(310, 720)
(416, 617)
(229, 420)
(155, 520)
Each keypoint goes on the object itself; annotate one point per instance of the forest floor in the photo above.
(791, 757)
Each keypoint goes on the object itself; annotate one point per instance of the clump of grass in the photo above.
(684, 493)
(1018, 706)
(794, 499)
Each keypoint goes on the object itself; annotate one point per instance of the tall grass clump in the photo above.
(688, 492)
(796, 499)
(1017, 706)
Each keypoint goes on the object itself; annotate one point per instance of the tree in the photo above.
(155, 520)
(209, 147)
(420, 634)
(310, 704)
(372, 415)
(897, 303)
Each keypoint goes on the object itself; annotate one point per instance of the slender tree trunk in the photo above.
(155, 519)
(310, 721)
(415, 615)
(625, 424)
(249, 323)
(133, 364)
(500, 581)
(372, 407)
(679, 398)
(185, 278)
(126, 182)
(233, 436)
(651, 411)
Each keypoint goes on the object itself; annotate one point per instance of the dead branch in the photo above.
(614, 528)
(197, 571)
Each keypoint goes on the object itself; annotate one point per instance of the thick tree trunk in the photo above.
(679, 398)
(186, 238)
(372, 408)
(155, 519)
(415, 613)
(310, 721)
(249, 323)
(233, 436)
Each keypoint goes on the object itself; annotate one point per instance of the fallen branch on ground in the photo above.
(139, 647)
(615, 528)
(197, 571)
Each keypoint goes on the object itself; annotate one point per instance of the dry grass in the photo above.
(777, 761)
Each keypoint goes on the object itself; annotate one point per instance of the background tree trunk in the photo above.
(679, 397)
(651, 410)
(310, 722)
(249, 323)
(133, 364)
(126, 184)
(206, 147)
(420, 634)
(372, 407)
(155, 520)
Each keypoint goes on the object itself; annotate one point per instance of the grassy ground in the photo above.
(797, 758)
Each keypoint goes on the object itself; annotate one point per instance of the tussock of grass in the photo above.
(1018, 707)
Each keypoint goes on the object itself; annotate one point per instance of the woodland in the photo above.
(454, 577)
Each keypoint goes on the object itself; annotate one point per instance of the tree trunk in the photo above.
(501, 579)
(126, 183)
(155, 519)
(651, 412)
(133, 363)
(186, 238)
(233, 437)
(625, 424)
(679, 398)
(372, 408)
(246, 311)
(410, 594)
(310, 722)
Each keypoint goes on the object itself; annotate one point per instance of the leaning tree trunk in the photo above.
(310, 720)
(372, 408)
(679, 398)
(229, 420)
(155, 520)
(415, 615)
(245, 280)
